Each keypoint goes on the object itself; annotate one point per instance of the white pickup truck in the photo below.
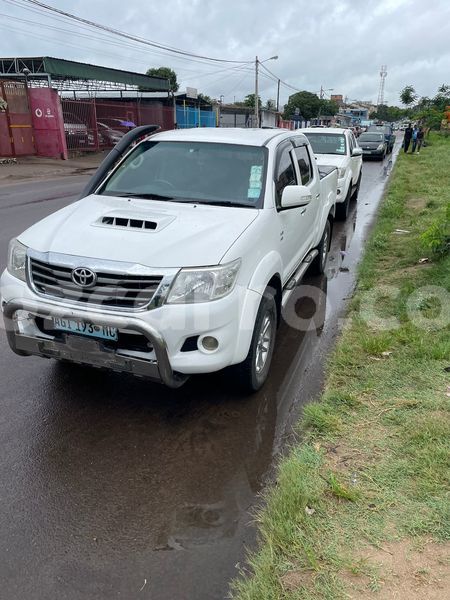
(181, 260)
(338, 147)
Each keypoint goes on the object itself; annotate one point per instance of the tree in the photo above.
(166, 72)
(388, 113)
(408, 95)
(249, 100)
(308, 103)
(205, 98)
(328, 107)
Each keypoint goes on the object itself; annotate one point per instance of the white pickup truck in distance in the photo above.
(338, 147)
(180, 261)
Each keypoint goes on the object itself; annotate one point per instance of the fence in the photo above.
(16, 131)
(95, 124)
(188, 116)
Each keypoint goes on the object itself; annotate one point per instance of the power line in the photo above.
(128, 36)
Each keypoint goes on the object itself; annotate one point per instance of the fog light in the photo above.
(210, 343)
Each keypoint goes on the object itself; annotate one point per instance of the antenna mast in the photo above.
(383, 75)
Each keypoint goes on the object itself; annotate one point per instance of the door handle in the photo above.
(317, 196)
(303, 211)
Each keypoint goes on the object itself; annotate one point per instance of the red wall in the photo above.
(48, 123)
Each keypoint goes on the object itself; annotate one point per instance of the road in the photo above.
(112, 487)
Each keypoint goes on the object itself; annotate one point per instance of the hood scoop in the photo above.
(129, 223)
(134, 221)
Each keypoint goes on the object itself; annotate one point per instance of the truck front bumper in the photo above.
(25, 339)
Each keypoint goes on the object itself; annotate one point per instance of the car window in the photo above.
(304, 164)
(327, 143)
(351, 143)
(188, 171)
(285, 174)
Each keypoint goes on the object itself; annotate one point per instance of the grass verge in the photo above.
(361, 506)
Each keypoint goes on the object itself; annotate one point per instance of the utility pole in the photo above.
(278, 96)
(321, 92)
(256, 93)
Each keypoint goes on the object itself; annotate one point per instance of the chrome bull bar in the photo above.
(88, 350)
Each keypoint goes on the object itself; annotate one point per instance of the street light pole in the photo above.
(256, 93)
(278, 95)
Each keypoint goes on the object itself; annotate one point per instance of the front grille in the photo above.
(117, 290)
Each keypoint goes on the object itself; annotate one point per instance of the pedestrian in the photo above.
(414, 139)
(420, 136)
(407, 138)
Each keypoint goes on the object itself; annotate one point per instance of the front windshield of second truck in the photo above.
(327, 143)
(200, 172)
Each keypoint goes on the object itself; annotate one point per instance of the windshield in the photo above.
(327, 143)
(200, 172)
(371, 137)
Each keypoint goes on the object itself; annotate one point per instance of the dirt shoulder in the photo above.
(361, 506)
(36, 167)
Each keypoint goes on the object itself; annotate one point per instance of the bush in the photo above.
(436, 238)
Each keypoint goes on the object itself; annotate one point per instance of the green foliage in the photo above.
(205, 98)
(308, 103)
(249, 101)
(436, 238)
(328, 107)
(408, 95)
(166, 72)
(388, 113)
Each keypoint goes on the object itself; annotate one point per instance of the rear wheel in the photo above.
(254, 370)
(319, 263)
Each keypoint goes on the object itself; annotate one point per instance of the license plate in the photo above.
(90, 329)
(367, 151)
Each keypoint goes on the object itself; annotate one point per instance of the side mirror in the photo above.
(295, 195)
(357, 151)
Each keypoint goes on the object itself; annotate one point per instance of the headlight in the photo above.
(203, 285)
(380, 147)
(342, 172)
(17, 259)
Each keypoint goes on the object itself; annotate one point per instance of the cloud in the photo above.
(337, 44)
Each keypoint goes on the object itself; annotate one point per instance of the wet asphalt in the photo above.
(111, 487)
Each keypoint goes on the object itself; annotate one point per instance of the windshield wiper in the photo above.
(222, 203)
(145, 196)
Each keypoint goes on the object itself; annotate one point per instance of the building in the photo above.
(39, 118)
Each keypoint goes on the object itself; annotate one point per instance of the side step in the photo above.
(296, 278)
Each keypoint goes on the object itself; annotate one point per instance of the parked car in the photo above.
(107, 135)
(388, 134)
(118, 124)
(180, 262)
(373, 144)
(338, 147)
(76, 132)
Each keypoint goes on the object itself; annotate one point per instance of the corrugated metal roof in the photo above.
(60, 68)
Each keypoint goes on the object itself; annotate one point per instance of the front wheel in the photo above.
(253, 372)
(319, 263)
(343, 208)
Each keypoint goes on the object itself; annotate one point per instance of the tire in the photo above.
(358, 185)
(319, 263)
(343, 208)
(253, 372)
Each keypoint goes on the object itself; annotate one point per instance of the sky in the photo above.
(338, 45)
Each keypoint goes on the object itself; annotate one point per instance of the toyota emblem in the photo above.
(83, 277)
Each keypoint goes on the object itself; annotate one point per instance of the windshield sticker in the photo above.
(254, 192)
(341, 147)
(255, 176)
